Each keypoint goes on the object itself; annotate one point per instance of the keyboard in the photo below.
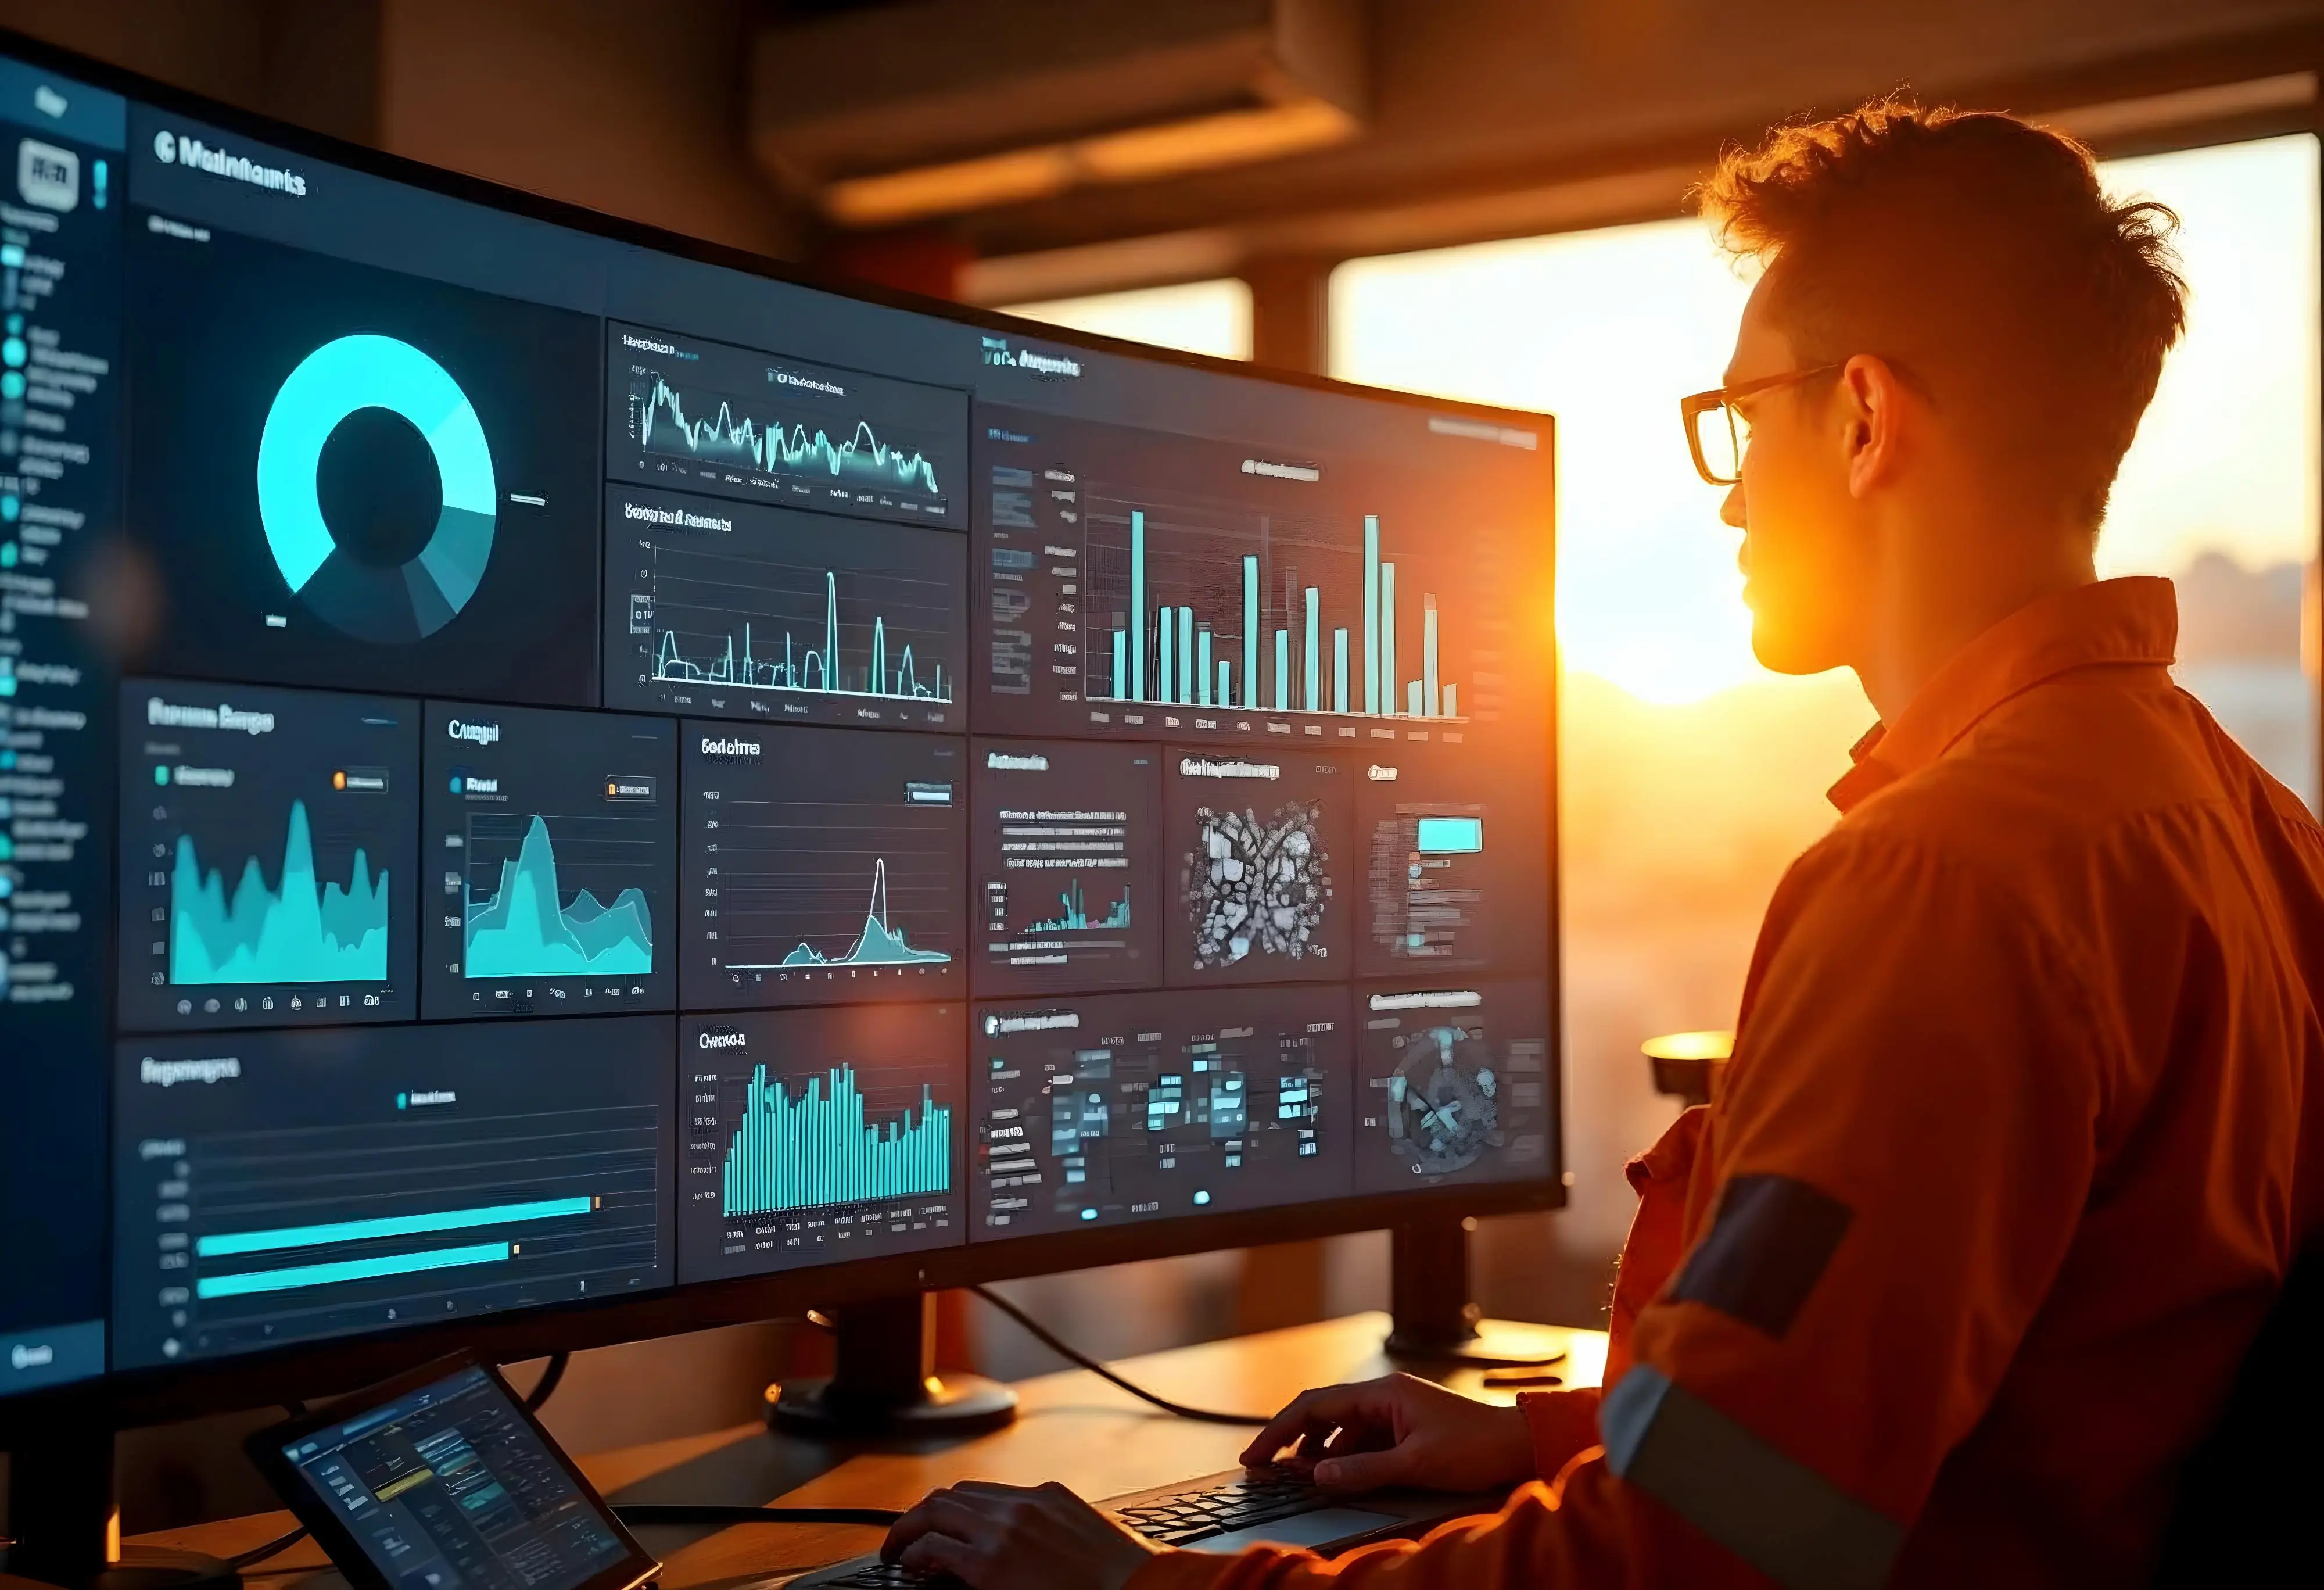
(1193, 1517)
(1195, 1512)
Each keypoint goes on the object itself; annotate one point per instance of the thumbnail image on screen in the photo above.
(1457, 861)
(741, 611)
(1259, 846)
(1134, 1106)
(551, 846)
(268, 861)
(709, 416)
(1146, 584)
(282, 1186)
(450, 1488)
(1452, 1084)
(360, 480)
(822, 865)
(816, 1136)
(1067, 880)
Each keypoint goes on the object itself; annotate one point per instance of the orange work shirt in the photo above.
(2023, 1128)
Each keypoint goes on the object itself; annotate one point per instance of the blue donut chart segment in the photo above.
(392, 605)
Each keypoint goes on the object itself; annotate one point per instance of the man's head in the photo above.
(1997, 325)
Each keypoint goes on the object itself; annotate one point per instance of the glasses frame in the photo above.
(1691, 408)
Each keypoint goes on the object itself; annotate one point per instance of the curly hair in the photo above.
(1978, 254)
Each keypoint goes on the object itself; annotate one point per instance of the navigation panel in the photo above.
(821, 865)
(282, 1187)
(817, 1136)
(551, 849)
(268, 856)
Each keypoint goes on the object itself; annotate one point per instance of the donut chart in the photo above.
(391, 605)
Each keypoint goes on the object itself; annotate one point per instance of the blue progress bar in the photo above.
(316, 1275)
(355, 1231)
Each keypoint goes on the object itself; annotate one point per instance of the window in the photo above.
(1692, 776)
(1199, 317)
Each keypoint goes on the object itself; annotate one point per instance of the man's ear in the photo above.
(1872, 404)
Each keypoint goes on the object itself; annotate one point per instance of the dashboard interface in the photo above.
(537, 769)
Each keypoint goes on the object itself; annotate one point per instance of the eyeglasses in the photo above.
(1717, 432)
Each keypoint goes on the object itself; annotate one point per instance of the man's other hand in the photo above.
(1397, 1430)
(999, 1537)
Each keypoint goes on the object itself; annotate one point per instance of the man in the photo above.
(2026, 1120)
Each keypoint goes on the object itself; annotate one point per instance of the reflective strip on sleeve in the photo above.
(1780, 1516)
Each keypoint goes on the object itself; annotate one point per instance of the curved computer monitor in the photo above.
(560, 783)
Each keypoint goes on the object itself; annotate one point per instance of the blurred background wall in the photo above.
(1484, 199)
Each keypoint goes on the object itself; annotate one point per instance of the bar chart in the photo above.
(820, 1134)
(1272, 654)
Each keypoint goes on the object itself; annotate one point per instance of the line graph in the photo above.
(521, 920)
(662, 425)
(765, 426)
(763, 612)
(825, 864)
(821, 668)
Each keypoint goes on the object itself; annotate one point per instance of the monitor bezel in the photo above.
(128, 1398)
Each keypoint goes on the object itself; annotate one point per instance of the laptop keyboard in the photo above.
(1187, 1518)
(1195, 1516)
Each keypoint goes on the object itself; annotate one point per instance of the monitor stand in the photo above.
(883, 1381)
(60, 1509)
(1433, 1320)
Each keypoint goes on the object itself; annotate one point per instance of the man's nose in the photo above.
(1730, 508)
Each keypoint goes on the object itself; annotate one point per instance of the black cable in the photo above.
(258, 1553)
(1098, 1367)
(545, 1387)
(693, 1512)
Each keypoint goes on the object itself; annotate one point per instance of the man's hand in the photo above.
(1397, 1430)
(998, 1536)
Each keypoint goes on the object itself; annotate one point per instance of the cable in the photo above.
(545, 1387)
(258, 1553)
(1097, 1367)
(693, 1512)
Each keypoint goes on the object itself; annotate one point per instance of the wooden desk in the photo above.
(1071, 1427)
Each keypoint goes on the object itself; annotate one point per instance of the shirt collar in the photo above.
(2112, 622)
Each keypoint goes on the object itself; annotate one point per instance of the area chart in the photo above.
(552, 843)
(268, 856)
(737, 422)
(821, 865)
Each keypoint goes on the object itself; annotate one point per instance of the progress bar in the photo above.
(316, 1275)
(353, 1231)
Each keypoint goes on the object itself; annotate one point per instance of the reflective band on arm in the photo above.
(1780, 1516)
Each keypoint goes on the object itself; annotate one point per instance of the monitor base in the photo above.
(60, 1505)
(884, 1382)
(1433, 1320)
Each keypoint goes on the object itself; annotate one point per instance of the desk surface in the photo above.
(1071, 1427)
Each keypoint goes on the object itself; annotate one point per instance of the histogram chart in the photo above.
(1135, 581)
(1067, 891)
(816, 1136)
(1137, 1106)
(1452, 1084)
(267, 862)
(709, 416)
(283, 1187)
(551, 844)
(821, 864)
(765, 613)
